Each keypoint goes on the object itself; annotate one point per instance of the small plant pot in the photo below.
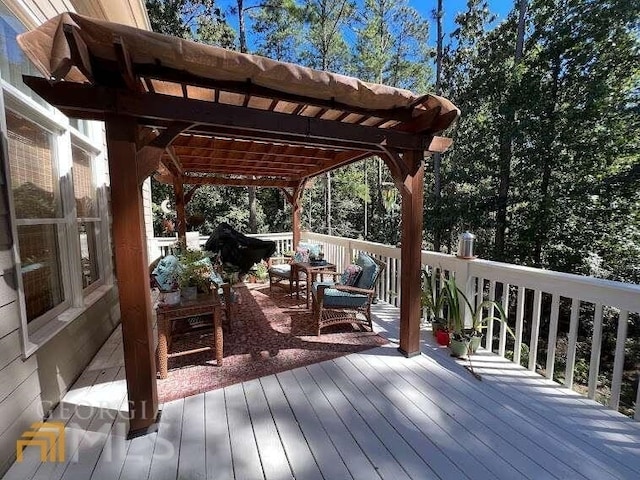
(438, 325)
(475, 343)
(458, 347)
(189, 293)
(442, 337)
(170, 298)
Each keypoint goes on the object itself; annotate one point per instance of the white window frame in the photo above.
(76, 299)
(81, 143)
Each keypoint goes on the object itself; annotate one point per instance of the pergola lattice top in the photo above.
(274, 121)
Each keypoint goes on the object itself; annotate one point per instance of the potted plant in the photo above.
(262, 272)
(195, 273)
(465, 340)
(433, 301)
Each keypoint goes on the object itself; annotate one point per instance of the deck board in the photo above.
(329, 461)
(426, 417)
(372, 415)
(301, 459)
(487, 428)
(246, 457)
(375, 449)
(360, 467)
(192, 461)
(217, 440)
(164, 462)
(274, 460)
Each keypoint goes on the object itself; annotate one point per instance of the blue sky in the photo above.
(451, 8)
(425, 7)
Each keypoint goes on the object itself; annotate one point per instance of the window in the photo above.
(84, 190)
(13, 62)
(36, 197)
(57, 200)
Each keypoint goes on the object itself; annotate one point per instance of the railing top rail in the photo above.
(589, 289)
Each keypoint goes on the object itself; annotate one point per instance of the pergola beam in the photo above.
(217, 160)
(231, 182)
(148, 107)
(251, 89)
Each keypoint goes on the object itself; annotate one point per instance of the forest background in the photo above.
(545, 165)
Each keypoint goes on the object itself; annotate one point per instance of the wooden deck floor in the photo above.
(373, 415)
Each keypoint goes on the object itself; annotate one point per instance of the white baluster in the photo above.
(553, 335)
(502, 344)
(490, 313)
(517, 347)
(573, 340)
(535, 330)
(618, 363)
(596, 345)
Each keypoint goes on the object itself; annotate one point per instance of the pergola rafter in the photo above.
(195, 114)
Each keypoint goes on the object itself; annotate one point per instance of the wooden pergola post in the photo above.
(412, 190)
(181, 216)
(296, 212)
(126, 171)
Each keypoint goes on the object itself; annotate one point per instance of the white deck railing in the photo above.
(535, 296)
(161, 246)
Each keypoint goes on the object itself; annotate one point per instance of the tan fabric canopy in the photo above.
(49, 49)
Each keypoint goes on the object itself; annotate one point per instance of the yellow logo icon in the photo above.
(49, 437)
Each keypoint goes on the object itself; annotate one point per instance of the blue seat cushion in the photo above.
(369, 274)
(334, 298)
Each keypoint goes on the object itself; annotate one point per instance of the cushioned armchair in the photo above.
(283, 273)
(348, 300)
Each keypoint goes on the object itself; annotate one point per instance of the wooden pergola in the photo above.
(194, 114)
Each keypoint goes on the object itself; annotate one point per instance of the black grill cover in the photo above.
(238, 249)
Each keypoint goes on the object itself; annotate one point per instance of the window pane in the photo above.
(13, 62)
(88, 252)
(33, 171)
(40, 267)
(81, 125)
(83, 186)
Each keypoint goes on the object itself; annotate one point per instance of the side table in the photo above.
(308, 268)
(203, 304)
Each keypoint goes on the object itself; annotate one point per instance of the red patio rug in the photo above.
(271, 332)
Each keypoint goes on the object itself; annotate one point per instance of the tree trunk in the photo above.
(542, 220)
(251, 191)
(506, 145)
(437, 158)
(327, 203)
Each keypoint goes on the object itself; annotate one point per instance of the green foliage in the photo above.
(278, 29)
(199, 20)
(195, 270)
(568, 110)
(432, 299)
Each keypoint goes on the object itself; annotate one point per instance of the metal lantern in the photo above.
(465, 245)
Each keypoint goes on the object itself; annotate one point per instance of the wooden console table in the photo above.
(202, 305)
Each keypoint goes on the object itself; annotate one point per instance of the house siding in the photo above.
(31, 387)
